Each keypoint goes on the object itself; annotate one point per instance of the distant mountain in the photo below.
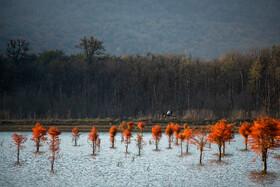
(204, 28)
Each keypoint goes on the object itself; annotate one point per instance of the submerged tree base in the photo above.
(263, 178)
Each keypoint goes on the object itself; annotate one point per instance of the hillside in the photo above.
(201, 28)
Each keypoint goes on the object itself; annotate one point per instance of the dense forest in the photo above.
(92, 84)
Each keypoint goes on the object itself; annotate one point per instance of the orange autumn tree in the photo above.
(39, 133)
(113, 131)
(75, 135)
(264, 137)
(177, 130)
(139, 142)
(169, 132)
(122, 128)
(188, 136)
(54, 143)
(199, 139)
(221, 133)
(181, 137)
(18, 140)
(141, 126)
(93, 139)
(244, 131)
(156, 133)
(130, 125)
(127, 134)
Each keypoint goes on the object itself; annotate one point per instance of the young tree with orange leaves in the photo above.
(122, 128)
(181, 137)
(139, 142)
(39, 133)
(141, 126)
(127, 134)
(54, 143)
(75, 135)
(18, 140)
(188, 136)
(113, 131)
(264, 137)
(177, 130)
(156, 133)
(221, 133)
(93, 138)
(130, 125)
(169, 132)
(244, 131)
(199, 139)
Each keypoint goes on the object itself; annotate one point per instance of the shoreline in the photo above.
(101, 125)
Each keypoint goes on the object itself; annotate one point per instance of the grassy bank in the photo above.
(102, 125)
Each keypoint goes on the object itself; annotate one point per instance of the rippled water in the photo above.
(111, 167)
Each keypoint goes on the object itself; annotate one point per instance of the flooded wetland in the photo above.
(112, 167)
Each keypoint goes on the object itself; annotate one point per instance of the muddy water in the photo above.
(111, 167)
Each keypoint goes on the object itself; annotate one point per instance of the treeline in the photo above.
(54, 85)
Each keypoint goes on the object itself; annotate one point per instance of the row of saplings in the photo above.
(262, 135)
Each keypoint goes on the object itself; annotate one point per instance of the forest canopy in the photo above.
(52, 84)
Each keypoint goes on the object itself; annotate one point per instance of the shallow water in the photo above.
(111, 167)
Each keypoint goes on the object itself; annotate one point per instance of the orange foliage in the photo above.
(221, 133)
(141, 126)
(169, 132)
(188, 135)
(127, 134)
(181, 137)
(38, 134)
(92, 138)
(18, 140)
(185, 125)
(113, 131)
(264, 137)
(76, 134)
(156, 133)
(244, 131)
(176, 129)
(130, 125)
(54, 144)
(139, 142)
(199, 139)
(122, 126)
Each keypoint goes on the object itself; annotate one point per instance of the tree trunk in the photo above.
(220, 152)
(126, 147)
(200, 157)
(93, 148)
(187, 147)
(169, 142)
(75, 141)
(156, 145)
(18, 155)
(264, 157)
(52, 162)
(113, 142)
(181, 148)
(246, 142)
(224, 149)
(139, 150)
(38, 145)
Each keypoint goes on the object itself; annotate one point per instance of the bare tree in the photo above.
(17, 50)
(92, 47)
